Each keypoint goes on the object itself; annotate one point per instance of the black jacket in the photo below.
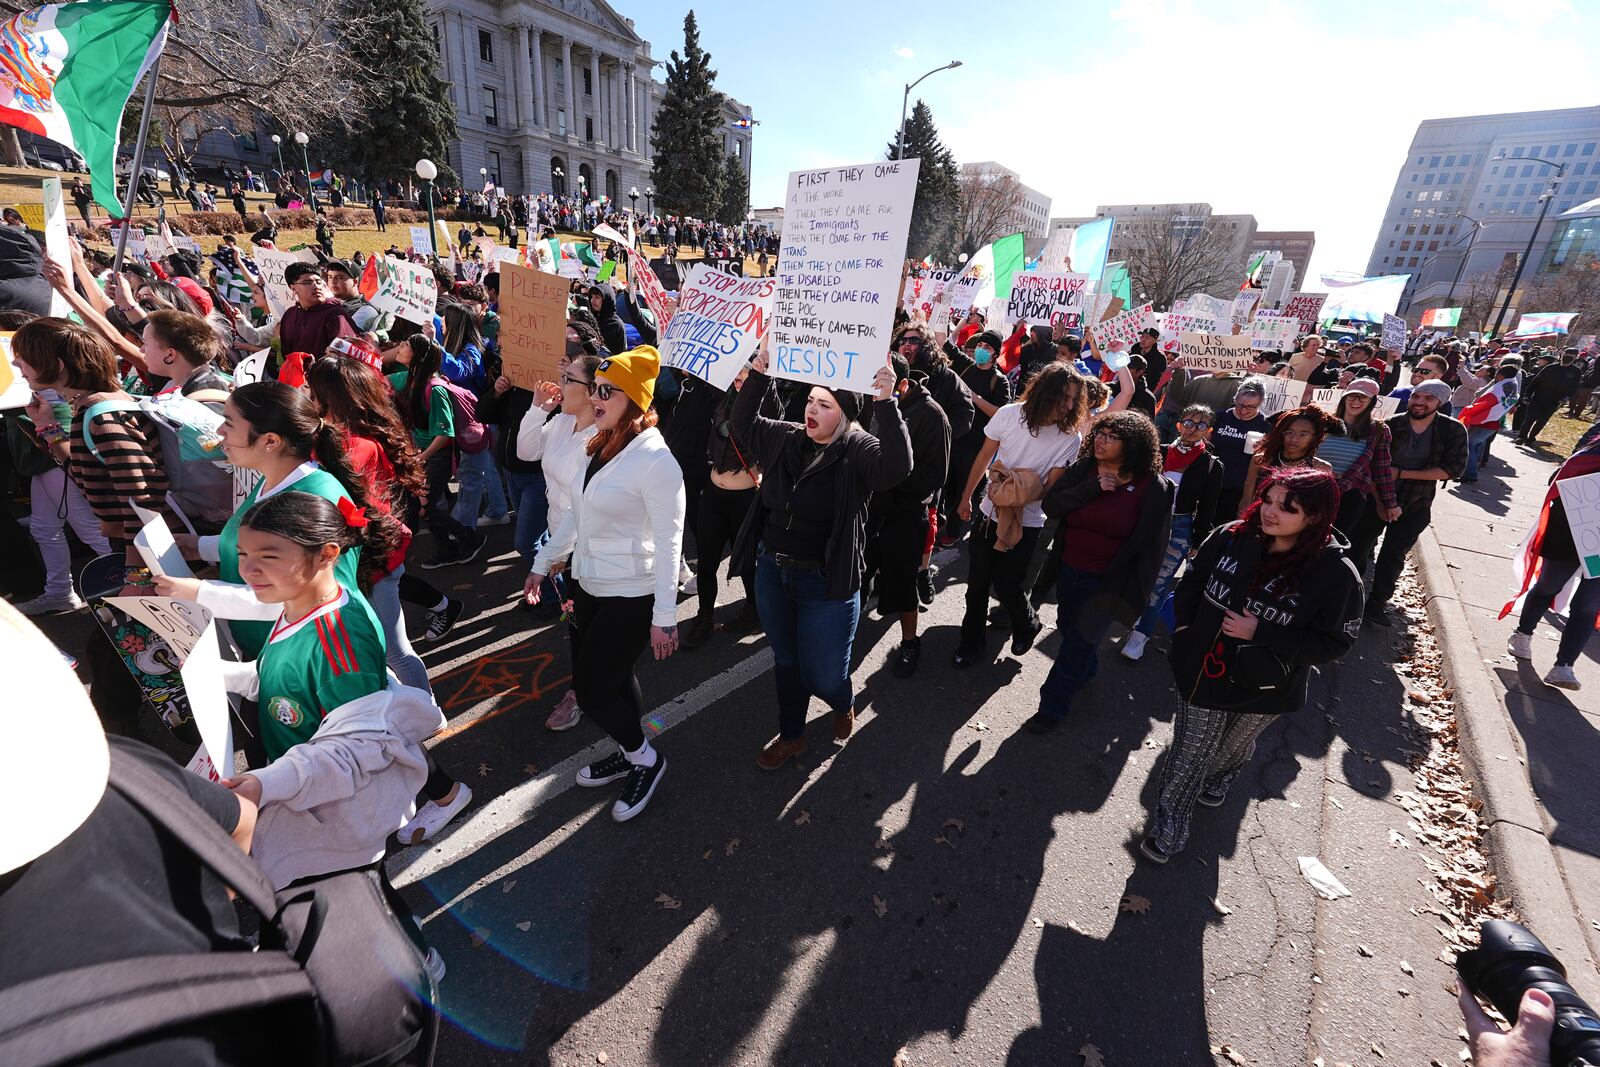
(22, 287)
(930, 450)
(950, 393)
(860, 463)
(505, 412)
(611, 330)
(1269, 674)
(1553, 384)
(1132, 575)
(987, 382)
(1198, 490)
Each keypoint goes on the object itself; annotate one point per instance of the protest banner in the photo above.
(844, 235)
(1581, 498)
(419, 241)
(272, 263)
(208, 703)
(396, 287)
(1394, 333)
(1214, 351)
(1205, 307)
(507, 255)
(1244, 306)
(1586, 343)
(919, 292)
(32, 215)
(718, 325)
(533, 324)
(1305, 307)
(1049, 298)
(1384, 407)
(1273, 333)
(1279, 394)
(1175, 324)
(1124, 327)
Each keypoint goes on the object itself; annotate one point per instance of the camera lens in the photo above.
(1507, 963)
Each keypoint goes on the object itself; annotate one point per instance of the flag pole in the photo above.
(137, 173)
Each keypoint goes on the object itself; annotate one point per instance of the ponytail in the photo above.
(312, 521)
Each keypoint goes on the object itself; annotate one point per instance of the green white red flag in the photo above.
(67, 71)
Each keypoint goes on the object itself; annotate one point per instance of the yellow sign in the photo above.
(33, 215)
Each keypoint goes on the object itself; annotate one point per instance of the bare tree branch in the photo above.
(1171, 256)
(991, 207)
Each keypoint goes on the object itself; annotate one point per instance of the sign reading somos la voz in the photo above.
(838, 272)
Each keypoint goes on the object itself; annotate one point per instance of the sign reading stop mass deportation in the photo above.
(718, 325)
(1215, 351)
(838, 272)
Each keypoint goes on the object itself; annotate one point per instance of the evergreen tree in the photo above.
(735, 193)
(687, 140)
(409, 116)
(938, 204)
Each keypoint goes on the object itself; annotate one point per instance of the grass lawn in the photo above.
(1561, 435)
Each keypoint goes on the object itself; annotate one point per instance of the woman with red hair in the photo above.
(1267, 598)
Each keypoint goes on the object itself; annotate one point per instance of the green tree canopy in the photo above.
(686, 142)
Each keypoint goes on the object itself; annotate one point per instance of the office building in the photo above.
(1468, 194)
(1033, 210)
(1240, 230)
(1296, 246)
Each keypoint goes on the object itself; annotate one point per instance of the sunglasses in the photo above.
(1190, 424)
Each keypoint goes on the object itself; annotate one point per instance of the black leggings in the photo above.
(417, 591)
(609, 633)
(721, 513)
(436, 511)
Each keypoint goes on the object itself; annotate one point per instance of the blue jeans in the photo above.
(1167, 576)
(402, 658)
(1477, 445)
(1079, 658)
(478, 475)
(811, 637)
(533, 508)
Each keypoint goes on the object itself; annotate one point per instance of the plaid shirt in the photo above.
(1372, 471)
(1447, 450)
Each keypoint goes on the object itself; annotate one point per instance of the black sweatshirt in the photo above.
(930, 450)
(1126, 585)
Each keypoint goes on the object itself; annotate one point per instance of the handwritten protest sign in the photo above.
(1383, 407)
(1174, 324)
(1581, 498)
(1273, 333)
(719, 323)
(920, 292)
(1215, 315)
(641, 277)
(838, 270)
(1215, 351)
(1244, 306)
(397, 287)
(533, 324)
(1124, 327)
(1305, 307)
(272, 263)
(419, 241)
(1279, 394)
(1394, 333)
(1048, 298)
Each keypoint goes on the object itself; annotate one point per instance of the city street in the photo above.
(941, 884)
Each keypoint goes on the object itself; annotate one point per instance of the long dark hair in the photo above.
(1141, 453)
(1358, 428)
(1271, 447)
(312, 521)
(357, 398)
(1314, 492)
(426, 358)
(460, 329)
(1045, 394)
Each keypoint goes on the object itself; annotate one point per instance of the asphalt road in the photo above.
(942, 883)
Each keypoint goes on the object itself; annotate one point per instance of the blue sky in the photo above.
(1298, 113)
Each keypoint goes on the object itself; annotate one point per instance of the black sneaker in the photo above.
(1040, 723)
(1210, 798)
(447, 556)
(471, 547)
(606, 771)
(697, 633)
(1153, 852)
(925, 586)
(440, 622)
(1377, 616)
(642, 782)
(906, 657)
(748, 621)
(1020, 643)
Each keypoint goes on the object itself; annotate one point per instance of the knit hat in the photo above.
(849, 402)
(1434, 388)
(1365, 386)
(359, 349)
(634, 372)
(193, 290)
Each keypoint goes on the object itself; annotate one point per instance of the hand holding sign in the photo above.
(883, 383)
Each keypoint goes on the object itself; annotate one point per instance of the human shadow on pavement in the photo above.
(1563, 747)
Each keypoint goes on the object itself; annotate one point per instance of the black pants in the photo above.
(417, 591)
(610, 633)
(895, 536)
(1398, 537)
(720, 514)
(1228, 503)
(1538, 416)
(1352, 506)
(447, 532)
(1002, 571)
(962, 457)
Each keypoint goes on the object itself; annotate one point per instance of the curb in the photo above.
(1523, 860)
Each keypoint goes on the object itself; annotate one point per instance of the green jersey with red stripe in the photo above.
(311, 666)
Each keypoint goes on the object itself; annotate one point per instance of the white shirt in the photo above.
(1022, 449)
(560, 448)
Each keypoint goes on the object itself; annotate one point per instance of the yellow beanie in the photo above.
(634, 372)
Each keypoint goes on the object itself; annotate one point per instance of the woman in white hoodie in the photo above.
(625, 538)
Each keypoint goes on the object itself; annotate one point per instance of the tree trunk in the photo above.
(11, 147)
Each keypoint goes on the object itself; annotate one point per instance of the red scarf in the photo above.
(1179, 458)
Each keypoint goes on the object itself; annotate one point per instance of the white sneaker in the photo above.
(1563, 678)
(51, 605)
(498, 520)
(432, 817)
(690, 586)
(1520, 645)
(1133, 647)
(435, 965)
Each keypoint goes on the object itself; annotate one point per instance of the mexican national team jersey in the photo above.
(311, 666)
(307, 478)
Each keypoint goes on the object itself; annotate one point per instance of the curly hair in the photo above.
(1056, 396)
(1141, 453)
(351, 395)
(1310, 490)
(1322, 424)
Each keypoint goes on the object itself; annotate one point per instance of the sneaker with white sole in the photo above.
(642, 782)
(1563, 678)
(1133, 647)
(440, 622)
(433, 817)
(495, 520)
(51, 604)
(606, 771)
(435, 965)
(1520, 645)
(565, 716)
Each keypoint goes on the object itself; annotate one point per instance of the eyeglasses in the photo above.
(1190, 424)
(1244, 406)
(567, 379)
(308, 280)
(604, 390)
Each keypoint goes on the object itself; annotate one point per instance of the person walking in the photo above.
(624, 536)
(430, 412)
(976, 363)
(1545, 391)
(1292, 442)
(1229, 434)
(378, 208)
(1358, 452)
(807, 538)
(1264, 600)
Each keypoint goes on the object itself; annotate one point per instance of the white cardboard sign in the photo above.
(1215, 351)
(718, 325)
(1581, 498)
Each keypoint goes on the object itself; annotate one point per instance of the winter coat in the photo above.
(612, 330)
(929, 430)
(1125, 587)
(951, 394)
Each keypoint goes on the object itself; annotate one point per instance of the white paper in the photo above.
(177, 622)
(419, 241)
(1581, 499)
(208, 698)
(1322, 880)
(57, 243)
(251, 368)
(156, 546)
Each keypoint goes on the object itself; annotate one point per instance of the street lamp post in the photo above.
(583, 189)
(633, 195)
(900, 137)
(427, 172)
(649, 204)
(300, 139)
(1544, 207)
(1472, 235)
(277, 144)
(561, 181)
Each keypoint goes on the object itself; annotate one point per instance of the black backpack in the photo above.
(331, 952)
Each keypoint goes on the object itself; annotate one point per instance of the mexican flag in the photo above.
(67, 71)
(1441, 317)
(993, 265)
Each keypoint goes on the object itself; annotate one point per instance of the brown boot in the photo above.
(843, 723)
(778, 752)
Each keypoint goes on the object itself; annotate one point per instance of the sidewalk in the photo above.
(1534, 749)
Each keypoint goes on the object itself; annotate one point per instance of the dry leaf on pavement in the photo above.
(1364, 950)
(1135, 903)
(508, 885)
(1228, 1052)
(880, 905)
(731, 847)
(1075, 928)
(601, 1057)
(707, 854)
(1221, 908)
(1038, 924)
(956, 824)
(802, 818)
(1397, 840)
(883, 845)
(1091, 1056)
(667, 901)
(483, 770)
(1406, 967)
(529, 769)
(525, 926)
(979, 726)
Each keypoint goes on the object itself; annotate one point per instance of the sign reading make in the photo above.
(838, 272)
